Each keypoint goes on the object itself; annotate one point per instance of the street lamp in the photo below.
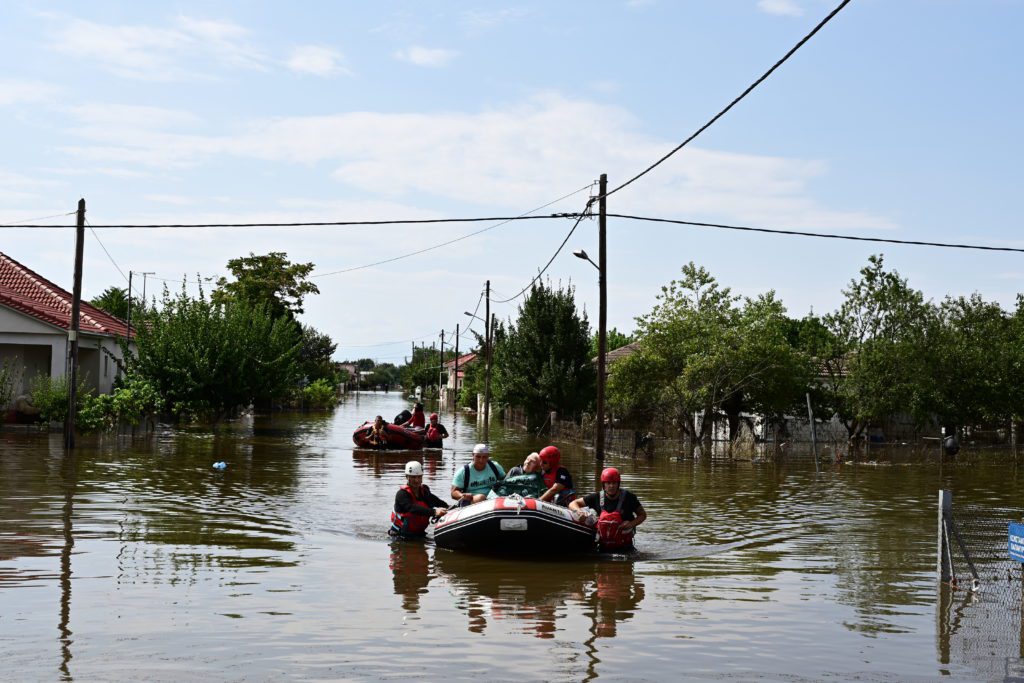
(583, 255)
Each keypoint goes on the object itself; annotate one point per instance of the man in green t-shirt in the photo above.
(472, 482)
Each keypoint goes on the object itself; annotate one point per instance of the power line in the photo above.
(580, 217)
(106, 252)
(799, 233)
(41, 218)
(746, 92)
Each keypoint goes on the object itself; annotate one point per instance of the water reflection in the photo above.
(532, 597)
(410, 570)
(383, 462)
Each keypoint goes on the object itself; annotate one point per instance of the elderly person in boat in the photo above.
(473, 482)
(526, 480)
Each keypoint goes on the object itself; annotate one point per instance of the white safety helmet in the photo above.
(481, 448)
(413, 469)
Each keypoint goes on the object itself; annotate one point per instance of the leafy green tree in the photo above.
(206, 359)
(878, 362)
(114, 300)
(702, 352)
(614, 340)
(542, 362)
(315, 356)
(269, 280)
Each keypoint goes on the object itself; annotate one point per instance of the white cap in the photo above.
(481, 448)
(413, 469)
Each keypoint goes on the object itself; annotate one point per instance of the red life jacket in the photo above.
(609, 527)
(407, 523)
(566, 495)
(433, 433)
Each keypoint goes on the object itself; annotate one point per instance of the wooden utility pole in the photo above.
(455, 396)
(76, 305)
(602, 319)
(440, 371)
(487, 376)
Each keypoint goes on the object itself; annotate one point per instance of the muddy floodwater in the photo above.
(136, 560)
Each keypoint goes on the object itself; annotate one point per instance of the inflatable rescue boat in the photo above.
(512, 524)
(395, 438)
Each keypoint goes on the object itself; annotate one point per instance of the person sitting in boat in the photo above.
(473, 482)
(620, 512)
(525, 480)
(378, 435)
(418, 419)
(558, 480)
(415, 505)
(435, 432)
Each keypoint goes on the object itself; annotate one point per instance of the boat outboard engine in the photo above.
(402, 417)
(951, 445)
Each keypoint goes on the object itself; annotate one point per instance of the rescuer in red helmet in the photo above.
(620, 512)
(556, 478)
(432, 438)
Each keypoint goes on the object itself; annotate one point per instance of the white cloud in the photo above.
(26, 92)
(478, 21)
(180, 51)
(785, 8)
(513, 157)
(426, 56)
(318, 61)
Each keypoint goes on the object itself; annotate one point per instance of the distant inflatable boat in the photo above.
(511, 524)
(395, 438)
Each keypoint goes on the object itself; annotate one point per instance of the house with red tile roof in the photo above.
(35, 316)
(455, 383)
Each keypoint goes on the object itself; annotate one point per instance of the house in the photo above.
(455, 383)
(35, 316)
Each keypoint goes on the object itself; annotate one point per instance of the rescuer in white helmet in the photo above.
(415, 505)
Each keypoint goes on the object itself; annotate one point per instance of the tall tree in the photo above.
(114, 300)
(315, 356)
(878, 363)
(207, 359)
(542, 362)
(269, 280)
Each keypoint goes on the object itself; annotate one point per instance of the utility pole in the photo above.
(455, 396)
(144, 274)
(487, 375)
(76, 306)
(602, 320)
(440, 370)
(129, 321)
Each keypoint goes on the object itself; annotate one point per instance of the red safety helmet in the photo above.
(610, 474)
(550, 454)
(433, 416)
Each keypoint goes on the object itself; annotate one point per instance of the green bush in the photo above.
(320, 394)
(50, 396)
(95, 413)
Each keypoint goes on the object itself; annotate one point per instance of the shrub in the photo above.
(320, 394)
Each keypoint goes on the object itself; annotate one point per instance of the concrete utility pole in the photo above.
(487, 375)
(76, 306)
(602, 319)
(440, 370)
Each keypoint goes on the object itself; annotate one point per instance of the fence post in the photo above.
(942, 564)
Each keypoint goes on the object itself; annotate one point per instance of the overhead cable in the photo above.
(743, 94)
(105, 250)
(18, 223)
(800, 233)
(551, 260)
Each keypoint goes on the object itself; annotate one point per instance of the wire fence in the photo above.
(980, 601)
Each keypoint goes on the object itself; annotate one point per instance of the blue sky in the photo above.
(900, 119)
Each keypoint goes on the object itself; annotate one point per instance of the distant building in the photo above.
(35, 316)
(455, 383)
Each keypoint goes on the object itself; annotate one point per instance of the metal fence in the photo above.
(979, 620)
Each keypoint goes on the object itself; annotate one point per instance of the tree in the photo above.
(114, 300)
(704, 352)
(614, 339)
(206, 359)
(543, 362)
(269, 280)
(315, 356)
(878, 365)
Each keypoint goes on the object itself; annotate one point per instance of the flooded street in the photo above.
(135, 560)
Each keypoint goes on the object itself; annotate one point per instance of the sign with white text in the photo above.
(1017, 541)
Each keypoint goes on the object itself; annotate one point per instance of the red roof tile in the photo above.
(27, 292)
(463, 360)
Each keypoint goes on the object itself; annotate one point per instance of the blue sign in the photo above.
(1017, 541)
